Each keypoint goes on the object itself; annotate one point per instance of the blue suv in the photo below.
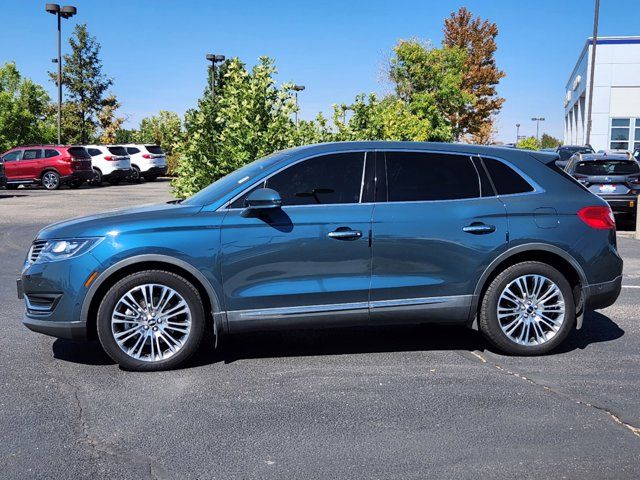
(362, 233)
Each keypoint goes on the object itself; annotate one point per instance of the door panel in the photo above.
(284, 267)
(30, 163)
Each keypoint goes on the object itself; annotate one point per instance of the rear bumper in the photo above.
(622, 203)
(120, 173)
(70, 330)
(81, 175)
(602, 295)
(155, 172)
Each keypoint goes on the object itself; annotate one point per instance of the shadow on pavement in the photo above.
(12, 195)
(296, 343)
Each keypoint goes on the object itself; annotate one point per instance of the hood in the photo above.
(127, 220)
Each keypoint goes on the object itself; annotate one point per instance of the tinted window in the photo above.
(566, 152)
(51, 153)
(155, 149)
(117, 151)
(32, 154)
(12, 156)
(80, 152)
(506, 180)
(413, 176)
(132, 150)
(328, 179)
(94, 152)
(486, 189)
(609, 167)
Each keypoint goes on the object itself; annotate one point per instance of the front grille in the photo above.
(36, 250)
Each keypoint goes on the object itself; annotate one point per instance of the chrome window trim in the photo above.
(225, 206)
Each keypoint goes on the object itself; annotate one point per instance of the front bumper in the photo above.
(602, 295)
(70, 330)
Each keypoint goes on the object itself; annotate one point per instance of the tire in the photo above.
(96, 181)
(74, 184)
(529, 331)
(134, 176)
(139, 334)
(50, 180)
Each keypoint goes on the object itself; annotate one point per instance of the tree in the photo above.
(529, 143)
(25, 113)
(249, 118)
(164, 129)
(109, 123)
(430, 82)
(547, 141)
(85, 84)
(478, 38)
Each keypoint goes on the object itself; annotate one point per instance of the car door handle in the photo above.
(478, 228)
(345, 234)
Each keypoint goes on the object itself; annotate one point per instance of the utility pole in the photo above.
(517, 133)
(593, 69)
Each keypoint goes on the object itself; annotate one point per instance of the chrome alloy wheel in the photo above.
(151, 322)
(50, 181)
(531, 310)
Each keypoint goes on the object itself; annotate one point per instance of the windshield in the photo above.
(566, 152)
(242, 176)
(609, 167)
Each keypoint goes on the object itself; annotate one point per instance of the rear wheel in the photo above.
(51, 180)
(151, 320)
(528, 309)
(134, 176)
(96, 180)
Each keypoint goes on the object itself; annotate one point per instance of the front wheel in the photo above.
(528, 309)
(151, 320)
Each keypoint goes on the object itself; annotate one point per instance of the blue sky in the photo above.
(155, 50)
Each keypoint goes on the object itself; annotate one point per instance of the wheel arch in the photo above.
(49, 169)
(542, 252)
(116, 272)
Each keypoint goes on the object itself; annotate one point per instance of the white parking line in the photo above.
(630, 286)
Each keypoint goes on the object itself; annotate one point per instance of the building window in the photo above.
(637, 136)
(620, 133)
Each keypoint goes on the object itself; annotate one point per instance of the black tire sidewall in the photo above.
(180, 285)
(490, 326)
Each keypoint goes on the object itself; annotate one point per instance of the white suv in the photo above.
(147, 161)
(110, 163)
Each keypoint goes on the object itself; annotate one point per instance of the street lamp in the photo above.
(538, 120)
(296, 89)
(214, 59)
(64, 12)
(517, 133)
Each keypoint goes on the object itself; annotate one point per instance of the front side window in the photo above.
(32, 154)
(620, 133)
(417, 176)
(506, 180)
(12, 156)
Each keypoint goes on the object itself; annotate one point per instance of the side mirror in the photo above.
(262, 199)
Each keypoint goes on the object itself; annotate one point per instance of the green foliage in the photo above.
(249, 118)
(529, 143)
(25, 113)
(85, 86)
(547, 141)
(164, 129)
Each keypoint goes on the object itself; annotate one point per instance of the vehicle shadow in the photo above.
(12, 195)
(597, 328)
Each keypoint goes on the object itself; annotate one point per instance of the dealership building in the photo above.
(616, 95)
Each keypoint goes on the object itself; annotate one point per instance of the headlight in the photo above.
(62, 249)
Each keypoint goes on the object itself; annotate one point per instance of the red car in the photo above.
(47, 165)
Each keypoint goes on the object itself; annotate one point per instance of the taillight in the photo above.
(108, 158)
(67, 159)
(600, 218)
(146, 155)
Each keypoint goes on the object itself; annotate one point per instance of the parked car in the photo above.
(147, 161)
(48, 165)
(3, 178)
(567, 151)
(110, 163)
(357, 233)
(614, 177)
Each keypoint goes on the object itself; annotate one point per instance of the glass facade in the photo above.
(624, 133)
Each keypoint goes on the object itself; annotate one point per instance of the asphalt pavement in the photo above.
(397, 402)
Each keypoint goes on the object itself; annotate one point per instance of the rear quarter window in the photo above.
(50, 153)
(505, 179)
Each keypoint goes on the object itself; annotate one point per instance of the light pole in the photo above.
(214, 59)
(538, 120)
(296, 89)
(64, 12)
(593, 68)
(517, 133)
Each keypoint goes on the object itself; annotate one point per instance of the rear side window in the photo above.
(12, 156)
(94, 152)
(155, 149)
(32, 154)
(51, 153)
(609, 167)
(117, 151)
(416, 176)
(132, 150)
(79, 152)
(506, 180)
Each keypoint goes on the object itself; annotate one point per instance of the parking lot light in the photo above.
(296, 89)
(538, 120)
(214, 58)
